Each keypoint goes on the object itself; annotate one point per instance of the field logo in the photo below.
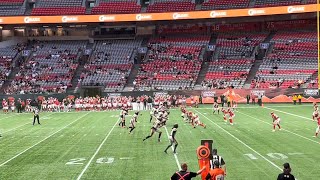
(253, 12)
(208, 93)
(311, 92)
(32, 19)
(218, 14)
(69, 19)
(292, 9)
(180, 15)
(141, 17)
(107, 18)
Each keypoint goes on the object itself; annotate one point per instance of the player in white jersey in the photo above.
(153, 113)
(216, 107)
(165, 117)
(315, 111)
(318, 127)
(155, 128)
(172, 138)
(133, 121)
(122, 118)
(196, 121)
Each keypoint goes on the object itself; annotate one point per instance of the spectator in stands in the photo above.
(184, 174)
(286, 175)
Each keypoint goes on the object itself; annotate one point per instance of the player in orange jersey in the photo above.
(231, 115)
(196, 121)
(225, 114)
(275, 121)
(318, 128)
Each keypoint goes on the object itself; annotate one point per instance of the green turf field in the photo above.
(90, 145)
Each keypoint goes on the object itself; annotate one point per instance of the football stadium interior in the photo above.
(209, 74)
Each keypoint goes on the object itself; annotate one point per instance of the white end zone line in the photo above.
(97, 151)
(175, 156)
(43, 140)
(281, 128)
(289, 113)
(243, 143)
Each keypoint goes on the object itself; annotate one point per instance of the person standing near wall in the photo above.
(248, 99)
(260, 98)
(299, 98)
(222, 100)
(294, 98)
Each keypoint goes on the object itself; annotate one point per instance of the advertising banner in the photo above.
(159, 16)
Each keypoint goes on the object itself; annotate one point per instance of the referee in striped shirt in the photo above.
(36, 116)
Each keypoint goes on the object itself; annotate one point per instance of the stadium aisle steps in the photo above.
(133, 74)
(257, 63)
(203, 72)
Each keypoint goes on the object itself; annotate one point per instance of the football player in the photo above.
(196, 121)
(231, 116)
(275, 121)
(315, 111)
(155, 128)
(216, 107)
(172, 138)
(318, 128)
(133, 121)
(122, 118)
(225, 114)
(153, 113)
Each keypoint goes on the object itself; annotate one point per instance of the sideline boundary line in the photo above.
(289, 113)
(43, 140)
(282, 129)
(243, 143)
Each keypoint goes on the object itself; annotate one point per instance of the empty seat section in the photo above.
(267, 3)
(293, 61)
(116, 7)
(110, 64)
(50, 69)
(234, 59)
(11, 7)
(58, 7)
(225, 4)
(173, 63)
(171, 6)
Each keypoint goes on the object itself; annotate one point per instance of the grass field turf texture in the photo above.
(91, 145)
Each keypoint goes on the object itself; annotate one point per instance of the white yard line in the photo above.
(9, 116)
(243, 143)
(175, 155)
(282, 128)
(97, 151)
(289, 113)
(43, 140)
(22, 125)
(255, 107)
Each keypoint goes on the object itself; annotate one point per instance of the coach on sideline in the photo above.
(184, 174)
